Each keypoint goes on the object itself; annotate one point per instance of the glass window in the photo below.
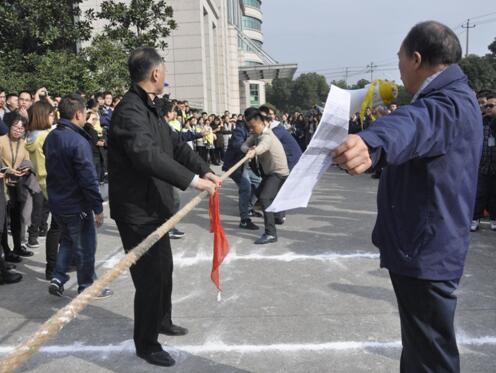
(257, 4)
(254, 95)
(252, 23)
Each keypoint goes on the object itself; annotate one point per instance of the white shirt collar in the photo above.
(426, 83)
(274, 124)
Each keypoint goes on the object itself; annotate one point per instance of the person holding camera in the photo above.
(16, 158)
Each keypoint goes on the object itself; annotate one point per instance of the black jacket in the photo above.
(145, 159)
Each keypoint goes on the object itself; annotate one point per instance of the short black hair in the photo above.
(13, 117)
(435, 42)
(164, 106)
(2, 89)
(491, 95)
(484, 93)
(91, 103)
(253, 113)
(267, 108)
(141, 61)
(106, 93)
(12, 94)
(70, 105)
(29, 93)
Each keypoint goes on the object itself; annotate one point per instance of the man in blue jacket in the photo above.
(73, 195)
(245, 177)
(290, 145)
(431, 151)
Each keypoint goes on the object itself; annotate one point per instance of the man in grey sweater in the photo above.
(264, 145)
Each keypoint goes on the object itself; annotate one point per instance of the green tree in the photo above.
(481, 71)
(279, 93)
(128, 26)
(37, 26)
(340, 83)
(360, 84)
(139, 23)
(107, 65)
(309, 90)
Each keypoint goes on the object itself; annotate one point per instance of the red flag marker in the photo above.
(221, 245)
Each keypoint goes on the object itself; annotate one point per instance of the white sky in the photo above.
(325, 36)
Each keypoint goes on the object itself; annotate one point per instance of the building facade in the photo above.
(215, 57)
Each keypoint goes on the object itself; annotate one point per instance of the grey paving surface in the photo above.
(314, 302)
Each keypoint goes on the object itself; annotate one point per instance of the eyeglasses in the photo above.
(489, 106)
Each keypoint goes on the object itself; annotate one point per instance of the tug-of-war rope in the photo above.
(65, 315)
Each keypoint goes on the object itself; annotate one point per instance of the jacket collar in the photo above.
(450, 75)
(144, 96)
(64, 123)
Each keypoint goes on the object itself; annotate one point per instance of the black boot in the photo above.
(7, 277)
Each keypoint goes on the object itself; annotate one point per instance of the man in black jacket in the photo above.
(146, 159)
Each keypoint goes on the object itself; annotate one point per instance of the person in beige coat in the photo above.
(269, 151)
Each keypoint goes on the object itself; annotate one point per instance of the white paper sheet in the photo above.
(331, 132)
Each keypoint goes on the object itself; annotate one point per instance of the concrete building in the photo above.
(215, 58)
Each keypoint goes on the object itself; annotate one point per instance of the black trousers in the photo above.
(269, 188)
(427, 311)
(486, 196)
(39, 215)
(52, 245)
(15, 211)
(152, 278)
(202, 152)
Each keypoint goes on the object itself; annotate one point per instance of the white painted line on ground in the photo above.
(220, 347)
(184, 261)
(287, 257)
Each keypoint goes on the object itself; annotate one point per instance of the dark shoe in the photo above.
(33, 243)
(161, 358)
(248, 224)
(10, 277)
(265, 239)
(176, 234)
(23, 252)
(13, 258)
(173, 330)
(56, 288)
(8, 267)
(255, 214)
(280, 221)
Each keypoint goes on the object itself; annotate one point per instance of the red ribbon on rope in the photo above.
(221, 245)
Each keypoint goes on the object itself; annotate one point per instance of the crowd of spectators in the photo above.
(26, 119)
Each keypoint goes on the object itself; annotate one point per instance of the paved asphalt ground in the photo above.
(314, 302)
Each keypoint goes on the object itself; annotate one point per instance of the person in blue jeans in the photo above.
(73, 196)
(244, 177)
(247, 185)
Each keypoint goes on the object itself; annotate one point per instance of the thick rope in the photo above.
(65, 315)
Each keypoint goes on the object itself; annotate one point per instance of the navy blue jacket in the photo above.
(290, 145)
(431, 150)
(106, 116)
(234, 153)
(3, 128)
(72, 183)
